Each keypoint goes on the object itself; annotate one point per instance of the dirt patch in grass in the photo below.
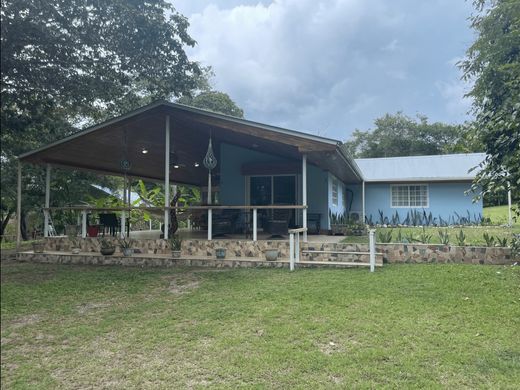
(86, 308)
(25, 320)
(183, 283)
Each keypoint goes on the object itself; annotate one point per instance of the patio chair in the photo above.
(278, 224)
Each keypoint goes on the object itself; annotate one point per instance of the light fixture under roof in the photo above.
(144, 151)
(196, 165)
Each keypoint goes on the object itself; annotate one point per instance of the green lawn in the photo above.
(413, 326)
(499, 215)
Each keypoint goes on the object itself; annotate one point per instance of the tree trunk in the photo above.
(5, 221)
(23, 226)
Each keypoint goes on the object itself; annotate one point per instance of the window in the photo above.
(335, 192)
(409, 195)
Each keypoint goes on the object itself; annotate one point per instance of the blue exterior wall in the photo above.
(357, 200)
(233, 188)
(444, 200)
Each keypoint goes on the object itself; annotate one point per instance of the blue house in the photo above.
(256, 176)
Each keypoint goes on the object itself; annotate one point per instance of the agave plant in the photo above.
(461, 238)
(424, 237)
(489, 239)
(502, 242)
(444, 237)
(384, 236)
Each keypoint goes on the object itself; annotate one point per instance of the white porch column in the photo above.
(123, 213)
(363, 201)
(166, 176)
(304, 195)
(47, 200)
(255, 222)
(210, 224)
(19, 207)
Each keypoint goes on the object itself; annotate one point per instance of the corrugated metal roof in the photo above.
(449, 167)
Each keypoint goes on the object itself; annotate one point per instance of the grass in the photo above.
(499, 215)
(419, 326)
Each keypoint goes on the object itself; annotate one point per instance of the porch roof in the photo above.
(102, 147)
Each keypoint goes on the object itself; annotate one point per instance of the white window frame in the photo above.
(335, 182)
(408, 186)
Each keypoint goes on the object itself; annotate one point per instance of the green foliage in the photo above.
(399, 237)
(461, 238)
(70, 62)
(214, 101)
(105, 243)
(492, 64)
(175, 242)
(489, 239)
(444, 237)
(423, 237)
(384, 236)
(502, 242)
(400, 135)
(125, 243)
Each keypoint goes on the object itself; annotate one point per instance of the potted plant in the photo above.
(38, 246)
(220, 253)
(106, 247)
(75, 246)
(176, 245)
(126, 246)
(271, 254)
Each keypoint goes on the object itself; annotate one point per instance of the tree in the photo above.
(214, 101)
(70, 62)
(400, 135)
(493, 65)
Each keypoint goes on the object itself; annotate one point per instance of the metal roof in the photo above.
(446, 167)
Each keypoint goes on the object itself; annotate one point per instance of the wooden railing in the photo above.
(85, 209)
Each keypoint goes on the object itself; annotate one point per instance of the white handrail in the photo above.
(294, 246)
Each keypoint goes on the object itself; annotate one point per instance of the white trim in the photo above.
(409, 206)
(334, 180)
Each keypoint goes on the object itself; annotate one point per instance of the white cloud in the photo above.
(334, 65)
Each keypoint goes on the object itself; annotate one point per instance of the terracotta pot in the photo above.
(92, 231)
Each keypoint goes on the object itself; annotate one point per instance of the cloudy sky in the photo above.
(329, 67)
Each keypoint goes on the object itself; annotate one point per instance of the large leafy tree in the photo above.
(214, 101)
(401, 135)
(66, 63)
(493, 65)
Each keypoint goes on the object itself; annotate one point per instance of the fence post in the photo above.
(372, 248)
(297, 254)
(291, 251)
(210, 224)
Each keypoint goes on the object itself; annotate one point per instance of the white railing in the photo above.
(294, 246)
(372, 249)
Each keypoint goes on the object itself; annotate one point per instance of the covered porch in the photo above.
(257, 181)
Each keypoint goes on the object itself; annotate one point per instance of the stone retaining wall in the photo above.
(392, 253)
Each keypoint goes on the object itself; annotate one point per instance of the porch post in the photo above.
(166, 176)
(304, 195)
(363, 200)
(47, 200)
(210, 211)
(255, 222)
(19, 207)
(84, 223)
(123, 213)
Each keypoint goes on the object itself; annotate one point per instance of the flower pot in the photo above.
(220, 253)
(108, 251)
(176, 254)
(271, 254)
(92, 231)
(76, 251)
(38, 247)
(128, 251)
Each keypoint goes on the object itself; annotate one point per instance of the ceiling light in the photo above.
(176, 166)
(196, 165)
(144, 151)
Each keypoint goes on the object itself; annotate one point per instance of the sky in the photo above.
(330, 67)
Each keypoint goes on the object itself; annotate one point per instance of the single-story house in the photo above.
(260, 168)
